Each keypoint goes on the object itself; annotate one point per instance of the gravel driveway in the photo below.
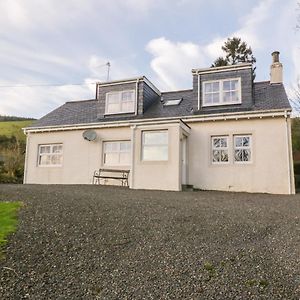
(92, 242)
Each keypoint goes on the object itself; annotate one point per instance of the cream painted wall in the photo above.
(162, 175)
(80, 157)
(267, 173)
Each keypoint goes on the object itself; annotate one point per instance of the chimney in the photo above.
(276, 69)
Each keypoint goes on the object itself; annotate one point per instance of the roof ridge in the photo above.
(184, 90)
(84, 100)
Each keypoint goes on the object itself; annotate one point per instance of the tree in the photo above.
(236, 51)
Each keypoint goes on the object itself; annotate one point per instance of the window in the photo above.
(155, 145)
(172, 102)
(120, 102)
(50, 155)
(222, 92)
(116, 153)
(242, 148)
(219, 149)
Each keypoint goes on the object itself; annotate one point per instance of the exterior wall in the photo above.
(80, 157)
(246, 87)
(160, 175)
(269, 171)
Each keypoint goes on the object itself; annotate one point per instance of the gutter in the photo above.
(187, 119)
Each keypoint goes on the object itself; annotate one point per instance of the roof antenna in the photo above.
(108, 68)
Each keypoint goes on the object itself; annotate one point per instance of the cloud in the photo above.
(172, 61)
(264, 27)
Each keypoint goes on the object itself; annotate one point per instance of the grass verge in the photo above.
(8, 221)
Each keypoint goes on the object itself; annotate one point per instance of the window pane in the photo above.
(215, 97)
(113, 108)
(127, 106)
(125, 146)
(128, 96)
(234, 84)
(216, 86)
(208, 87)
(216, 156)
(224, 155)
(223, 142)
(113, 98)
(56, 149)
(155, 153)
(238, 155)
(111, 158)
(216, 142)
(45, 149)
(246, 141)
(226, 86)
(238, 141)
(208, 98)
(56, 159)
(155, 138)
(124, 158)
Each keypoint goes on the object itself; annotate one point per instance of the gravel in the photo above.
(95, 242)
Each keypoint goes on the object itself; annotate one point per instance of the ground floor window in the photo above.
(219, 149)
(155, 145)
(50, 155)
(242, 148)
(116, 153)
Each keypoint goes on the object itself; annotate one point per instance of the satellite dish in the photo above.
(89, 135)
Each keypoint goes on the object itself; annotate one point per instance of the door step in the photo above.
(187, 187)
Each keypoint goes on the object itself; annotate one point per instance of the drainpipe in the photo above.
(26, 157)
(290, 167)
(133, 128)
(198, 91)
(137, 96)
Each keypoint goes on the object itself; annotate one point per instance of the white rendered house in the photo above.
(225, 133)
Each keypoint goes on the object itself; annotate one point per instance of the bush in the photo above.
(297, 167)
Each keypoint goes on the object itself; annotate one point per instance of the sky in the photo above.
(53, 51)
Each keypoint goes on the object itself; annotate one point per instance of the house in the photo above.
(226, 133)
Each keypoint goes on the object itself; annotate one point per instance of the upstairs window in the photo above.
(120, 102)
(222, 92)
(50, 155)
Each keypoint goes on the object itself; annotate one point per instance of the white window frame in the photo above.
(213, 148)
(49, 154)
(243, 148)
(119, 152)
(120, 111)
(154, 145)
(221, 92)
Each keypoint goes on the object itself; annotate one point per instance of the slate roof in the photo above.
(266, 97)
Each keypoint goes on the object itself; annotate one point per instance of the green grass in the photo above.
(9, 127)
(8, 221)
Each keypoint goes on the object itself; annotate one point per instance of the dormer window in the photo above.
(222, 92)
(120, 102)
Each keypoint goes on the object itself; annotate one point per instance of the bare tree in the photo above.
(295, 98)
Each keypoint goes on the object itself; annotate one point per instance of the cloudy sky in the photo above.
(53, 51)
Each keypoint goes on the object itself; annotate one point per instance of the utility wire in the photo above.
(37, 85)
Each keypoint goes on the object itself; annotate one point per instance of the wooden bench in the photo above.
(121, 175)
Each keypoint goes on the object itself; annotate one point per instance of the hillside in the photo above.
(8, 128)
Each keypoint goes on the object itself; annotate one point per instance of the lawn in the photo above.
(8, 220)
(101, 242)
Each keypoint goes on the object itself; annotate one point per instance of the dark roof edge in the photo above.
(84, 100)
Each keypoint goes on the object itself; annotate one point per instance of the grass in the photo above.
(8, 221)
(9, 127)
